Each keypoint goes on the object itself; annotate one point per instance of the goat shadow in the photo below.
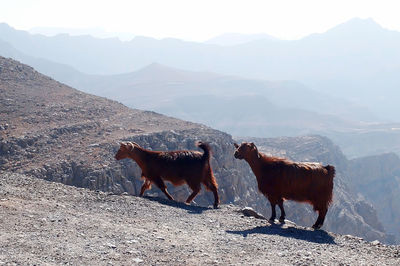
(316, 236)
(176, 204)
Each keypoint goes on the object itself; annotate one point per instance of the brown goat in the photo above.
(280, 179)
(177, 167)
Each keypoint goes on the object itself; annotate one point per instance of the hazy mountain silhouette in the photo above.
(161, 88)
(230, 39)
(157, 87)
(60, 72)
(234, 104)
(238, 105)
(95, 32)
(358, 60)
(346, 62)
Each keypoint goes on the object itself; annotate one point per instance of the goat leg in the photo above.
(320, 220)
(216, 198)
(273, 212)
(283, 214)
(167, 194)
(146, 185)
(161, 185)
(194, 194)
(212, 187)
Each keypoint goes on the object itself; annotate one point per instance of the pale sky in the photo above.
(198, 20)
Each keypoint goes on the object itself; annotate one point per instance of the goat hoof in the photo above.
(317, 226)
(282, 220)
(271, 220)
(215, 206)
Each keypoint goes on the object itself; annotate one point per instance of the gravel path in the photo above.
(47, 223)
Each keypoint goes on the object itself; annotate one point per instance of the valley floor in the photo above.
(50, 223)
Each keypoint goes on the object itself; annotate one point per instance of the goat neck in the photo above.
(254, 159)
(139, 154)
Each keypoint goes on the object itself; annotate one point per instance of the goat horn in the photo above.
(134, 143)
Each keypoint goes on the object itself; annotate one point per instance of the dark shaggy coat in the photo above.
(177, 167)
(280, 179)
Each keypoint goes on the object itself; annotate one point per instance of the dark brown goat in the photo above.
(177, 167)
(279, 179)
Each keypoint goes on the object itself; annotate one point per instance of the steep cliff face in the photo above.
(236, 185)
(57, 133)
(377, 178)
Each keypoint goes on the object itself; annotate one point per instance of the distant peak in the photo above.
(164, 73)
(158, 70)
(4, 25)
(358, 25)
(353, 28)
(156, 66)
(362, 22)
(141, 38)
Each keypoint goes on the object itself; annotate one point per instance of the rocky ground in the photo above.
(45, 223)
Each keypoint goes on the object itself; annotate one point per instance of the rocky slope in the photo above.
(56, 133)
(377, 178)
(46, 223)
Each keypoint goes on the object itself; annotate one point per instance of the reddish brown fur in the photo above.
(177, 167)
(279, 179)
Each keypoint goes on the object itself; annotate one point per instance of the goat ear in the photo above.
(236, 145)
(253, 146)
(134, 144)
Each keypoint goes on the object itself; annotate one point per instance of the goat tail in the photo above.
(331, 171)
(206, 148)
(329, 193)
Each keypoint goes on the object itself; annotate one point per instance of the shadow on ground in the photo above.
(190, 208)
(316, 236)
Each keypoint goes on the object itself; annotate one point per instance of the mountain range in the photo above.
(239, 105)
(357, 60)
(231, 39)
(97, 32)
